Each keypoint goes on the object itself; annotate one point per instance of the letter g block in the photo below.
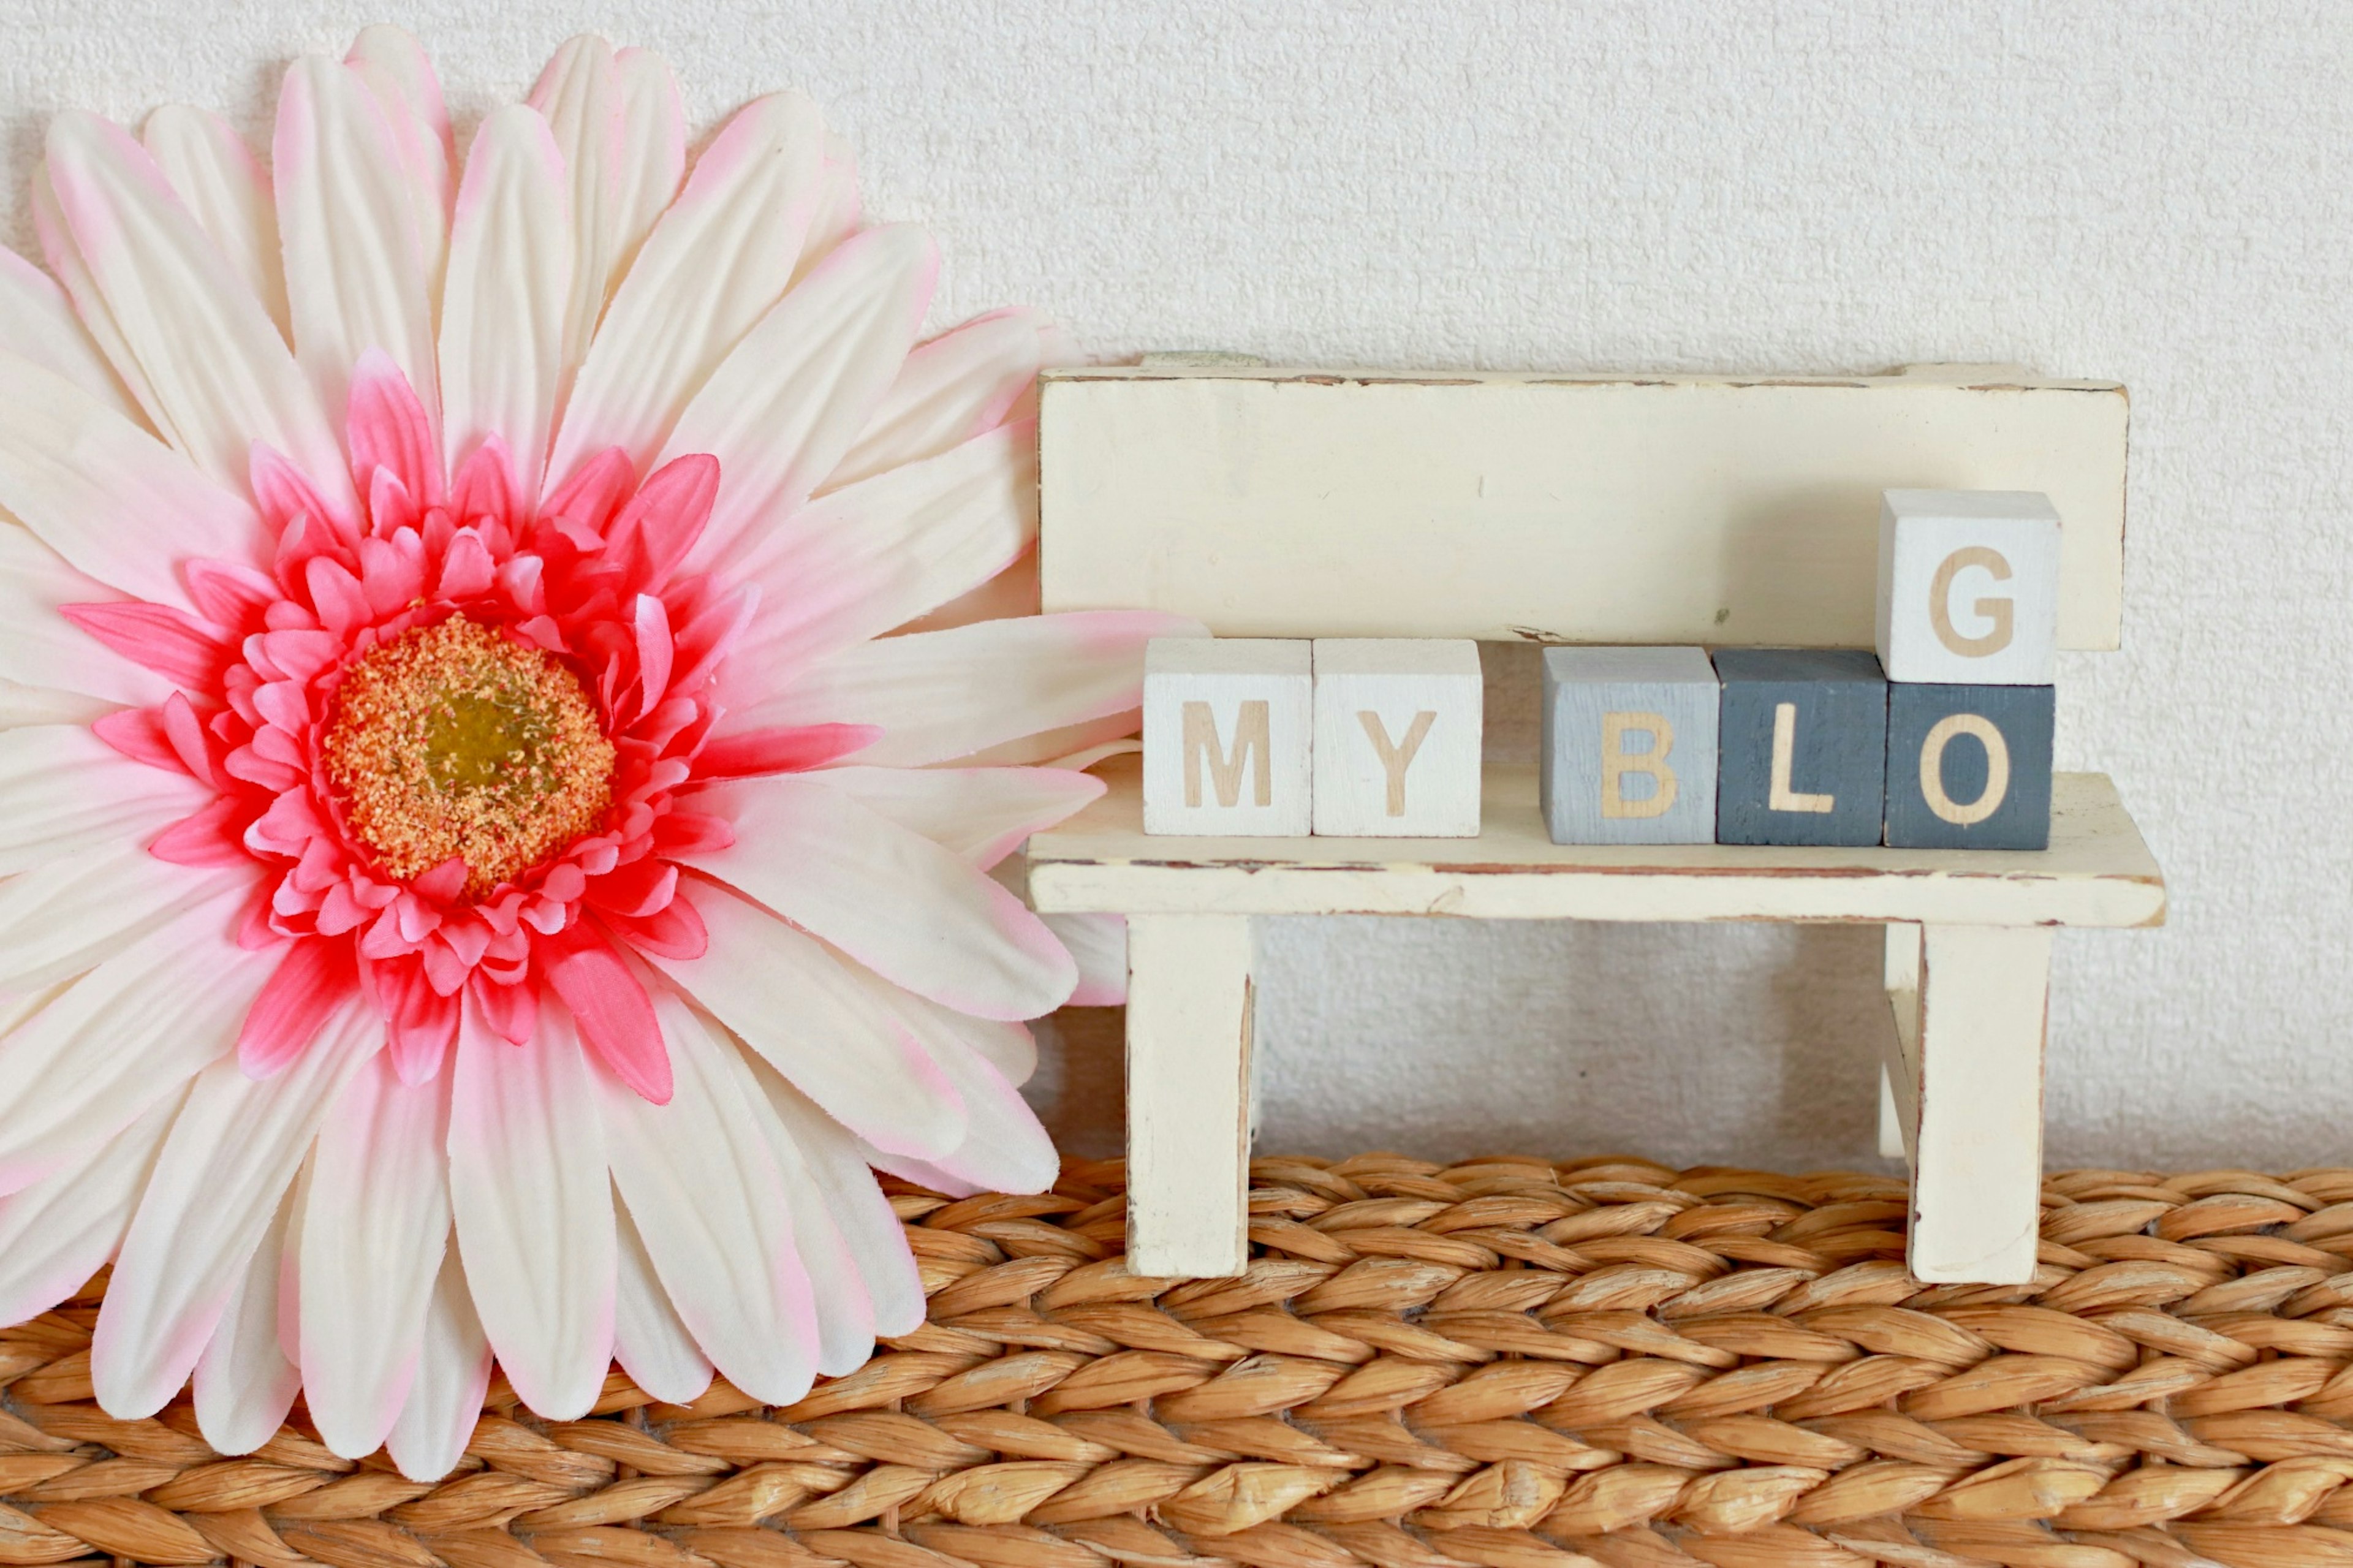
(1969, 586)
(1227, 736)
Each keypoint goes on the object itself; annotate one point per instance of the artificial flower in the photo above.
(513, 687)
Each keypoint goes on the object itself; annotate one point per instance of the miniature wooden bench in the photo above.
(1667, 510)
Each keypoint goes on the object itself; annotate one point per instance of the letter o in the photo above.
(1932, 768)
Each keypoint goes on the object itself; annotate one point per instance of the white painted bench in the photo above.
(1658, 509)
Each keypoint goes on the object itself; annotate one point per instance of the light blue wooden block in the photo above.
(1629, 745)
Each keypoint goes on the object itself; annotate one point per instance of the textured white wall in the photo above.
(2158, 192)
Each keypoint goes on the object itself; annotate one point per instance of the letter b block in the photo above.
(1629, 745)
(1969, 586)
(1968, 767)
(1804, 742)
(1227, 736)
(1398, 723)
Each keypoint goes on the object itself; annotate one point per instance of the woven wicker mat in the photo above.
(1504, 1363)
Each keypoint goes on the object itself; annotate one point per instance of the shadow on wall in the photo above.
(1555, 1027)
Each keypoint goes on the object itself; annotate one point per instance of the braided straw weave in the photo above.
(1504, 1363)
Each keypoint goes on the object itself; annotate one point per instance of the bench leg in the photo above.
(1189, 1094)
(1965, 1070)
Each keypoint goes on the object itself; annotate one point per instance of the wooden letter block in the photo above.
(1804, 746)
(1227, 736)
(1968, 767)
(1969, 586)
(1397, 728)
(1629, 745)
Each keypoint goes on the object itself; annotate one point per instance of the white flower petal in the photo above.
(225, 1169)
(44, 648)
(1005, 1149)
(942, 695)
(845, 1311)
(57, 1233)
(395, 70)
(838, 207)
(1012, 591)
(219, 375)
(502, 309)
(61, 918)
(118, 504)
(980, 813)
(21, 707)
(791, 1001)
(122, 1037)
(652, 154)
(912, 911)
(65, 791)
(855, 564)
(700, 1182)
(780, 410)
(960, 384)
(375, 1219)
(830, 1154)
(355, 270)
(39, 322)
(1098, 943)
(534, 1207)
(712, 265)
(650, 1339)
(88, 307)
(579, 94)
(453, 1373)
(227, 189)
(244, 1383)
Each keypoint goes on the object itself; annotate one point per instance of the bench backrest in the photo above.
(1711, 510)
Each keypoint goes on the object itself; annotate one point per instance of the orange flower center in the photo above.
(452, 739)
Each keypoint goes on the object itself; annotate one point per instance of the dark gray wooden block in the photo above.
(1968, 767)
(1803, 738)
(1629, 745)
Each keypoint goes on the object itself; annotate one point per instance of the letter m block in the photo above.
(1227, 736)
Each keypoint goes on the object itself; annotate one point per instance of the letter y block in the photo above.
(1227, 736)
(1399, 722)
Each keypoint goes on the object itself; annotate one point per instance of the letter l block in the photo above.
(1227, 736)
(1969, 586)
(1629, 745)
(1399, 728)
(1804, 746)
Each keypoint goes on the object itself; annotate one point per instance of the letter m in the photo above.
(1226, 767)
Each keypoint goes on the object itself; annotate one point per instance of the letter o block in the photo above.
(1227, 736)
(1398, 727)
(1969, 586)
(1968, 767)
(1629, 745)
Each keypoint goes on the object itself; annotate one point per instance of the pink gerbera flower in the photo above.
(480, 876)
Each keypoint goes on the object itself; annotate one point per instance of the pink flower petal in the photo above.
(313, 981)
(172, 643)
(389, 430)
(616, 1021)
(656, 528)
(209, 837)
(785, 749)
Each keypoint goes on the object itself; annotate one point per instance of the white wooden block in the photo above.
(1189, 1094)
(1227, 736)
(1969, 587)
(1730, 511)
(1976, 1152)
(1397, 730)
